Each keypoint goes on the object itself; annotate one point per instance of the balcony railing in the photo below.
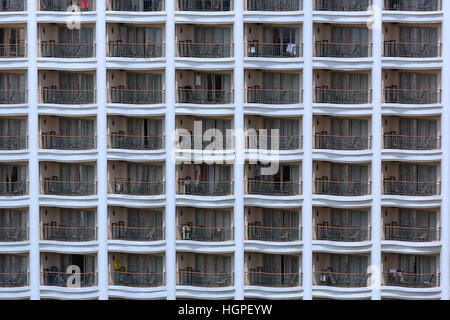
(203, 279)
(400, 5)
(274, 5)
(132, 96)
(138, 280)
(13, 142)
(203, 96)
(213, 234)
(342, 188)
(343, 50)
(205, 188)
(204, 50)
(411, 50)
(137, 5)
(51, 49)
(274, 188)
(274, 50)
(59, 142)
(57, 96)
(188, 141)
(17, 188)
(50, 231)
(274, 280)
(341, 96)
(121, 232)
(62, 279)
(12, 5)
(136, 188)
(14, 280)
(334, 142)
(15, 96)
(135, 50)
(13, 50)
(68, 188)
(12, 234)
(394, 95)
(204, 5)
(272, 96)
(411, 188)
(335, 279)
(407, 142)
(348, 234)
(265, 142)
(341, 5)
(411, 280)
(395, 232)
(132, 142)
(276, 234)
(63, 5)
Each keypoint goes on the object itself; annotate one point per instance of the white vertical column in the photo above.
(170, 150)
(33, 163)
(375, 257)
(239, 148)
(445, 164)
(307, 154)
(102, 162)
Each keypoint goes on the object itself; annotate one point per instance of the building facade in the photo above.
(137, 147)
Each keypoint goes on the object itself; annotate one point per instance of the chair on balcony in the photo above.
(429, 282)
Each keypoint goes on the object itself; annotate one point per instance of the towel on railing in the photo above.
(291, 48)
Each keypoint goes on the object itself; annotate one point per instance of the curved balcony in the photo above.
(203, 96)
(275, 234)
(13, 142)
(138, 280)
(62, 279)
(335, 142)
(136, 188)
(273, 280)
(51, 49)
(272, 96)
(345, 234)
(341, 5)
(14, 280)
(58, 96)
(12, 5)
(343, 280)
(205, 279)
(133, 142)
(408, 96)
(273, 50)
(135, 50)
(342, 188)
(407, 142)
(264, 142)
(63, 5)
(14, 188)
(136, 5)
(14, 50)
(189, 141)
(68, 188)
(50, 231)
(411, 280)
(274, 5)
(341, 96)
(133, 96)
(411, 50)
(210, 234)
(412, 234)
(274, 188)
(205, 188)
(14, 96)
(12, 234)
(343, 50)
(205, 5)
(411, 188)
(399, 5)
(118, 231)
(205, 50)
(60, 142)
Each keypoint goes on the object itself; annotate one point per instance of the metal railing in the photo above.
(272, 96)
(58, 96)
(205, 188)
(136, 5)
(15, 96)
(14, 280)
(411, 188)
(400, 5)
(13, 50)
(335, 142)
(204, 50)
(273, 50)
(62, 279)
(265, 142)
(341, 96)
(274, 5)
(393, 48)
(342, 188)
(13, 142)
(59, 142)
(11, 234)
(63, 5)
(135, 50)
(274, 279)
(204, 96)
(276, 234)
(138, 280)
(16, 188)
(204, 279)
(205, 5)
(335, 279)
(136, 188)
(133, 142)
(334, 233)
(407, 142)
(121, 232)
(188, 141)
(343, 50)
(12, 5)
(68, 188)
(51, 49)
(133, 96)
(50, 231)
(414, 234)
(197, 233)
(341, 5)
(394, 95)
(274, 188)
(411, 280)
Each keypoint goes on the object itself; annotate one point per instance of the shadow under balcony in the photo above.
(391, 186)
(274, 5)
(393, 140)
(409, 96)
(52, 49)
(341, 188)
(343, 50)
(259, 278)
(411, 280)
(51, 140)
(187, 277)
(341, 5)
(136, 5)
(68, 188)
(12, 5)
(336, 142)
(205, 5)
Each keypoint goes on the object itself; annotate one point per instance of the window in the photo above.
(12, 88)
(13, 264)
(143, 218)
(350, 265)
(145, 264)
(281, 264)
(212, 218)
(353, 87)
(212, 264)
(13, 179)
(145, 173)
(358, 38)
(145, 87)
(349, 218)
(12, 43)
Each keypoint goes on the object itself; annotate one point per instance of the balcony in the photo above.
(187, 48)
(204, 188)
(122, 95)
(210, 234)
(14, 280)
(205, 5)
(205, 279)
(13, 96)
(51, 231)
(411, 280)
(407, 142)
(266, 141)
(51, 140)
(336, 142)
(62, 279)
(275, 234)
(14, 225)
(413, 234)
(341, 5)
(57, 96)
(136, 270)
(138, 280)
(400, 5)
(346, 234)
(273, 96)
(121, 232)
(342, 280)
(273, 50)
(13, 142)
(15, 50)
(273, 188)
(135, 5)
(136, 188)
(273, 280)
(274, 5)
(133, 142)
(409, 96)
(51, 49)
(341, 96)
(135, 50)
(285, 181)
(13, 188)
(63, 5)
(13, 234)
(391, 186)
(343, 50)
(393, 48)
(13, 271)
(68, 188)
(204, 96)
(341, 188)
(12, 5)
